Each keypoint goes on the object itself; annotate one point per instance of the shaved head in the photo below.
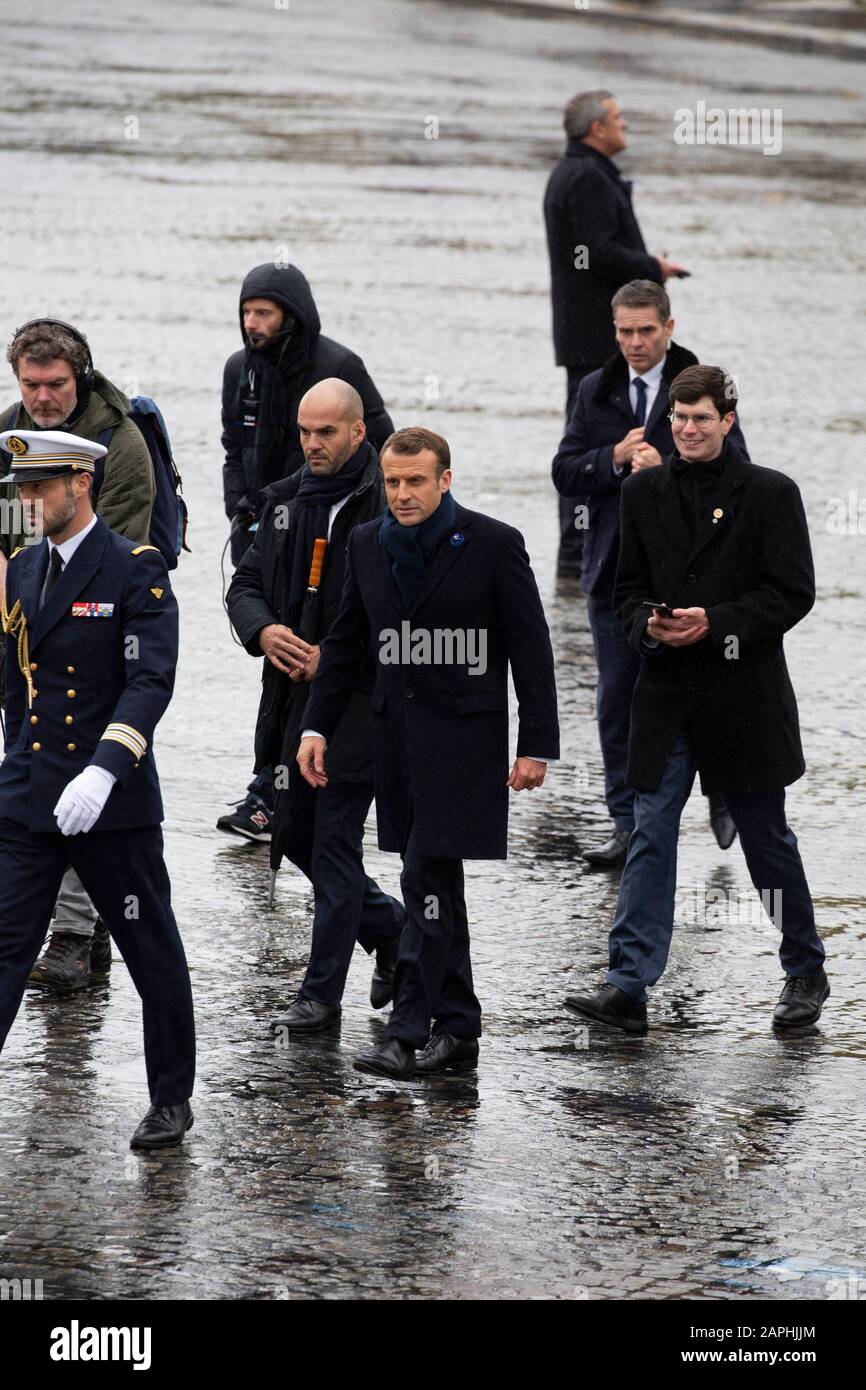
(331, 425)
(333, 397)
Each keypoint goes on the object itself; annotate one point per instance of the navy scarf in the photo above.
(411, 548)
(314, 499)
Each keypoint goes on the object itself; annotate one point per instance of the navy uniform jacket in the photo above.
(100, 656)
(440, 732)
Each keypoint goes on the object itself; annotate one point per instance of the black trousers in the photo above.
(350, 906)
(433, 979)
(124, 872)
(570, 536)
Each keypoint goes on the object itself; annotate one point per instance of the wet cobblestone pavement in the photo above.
(711, 1159)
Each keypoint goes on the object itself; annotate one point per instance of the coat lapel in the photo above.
(667, 500)
(445, 556)
(75, 577)
(31, 583)
(721, 500)
(621, 401)
(660, 407)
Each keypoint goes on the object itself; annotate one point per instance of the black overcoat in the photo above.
(441, 732)
(750, 567)
(257, 597)
(588, 204)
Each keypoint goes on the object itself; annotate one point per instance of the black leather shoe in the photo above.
(393, 1057)
(720, 821)
(609, 1004)
(612, 853)
(801, 1000)
(307, 1016)
(382, 983)
(445, 1052)
(163, 1126)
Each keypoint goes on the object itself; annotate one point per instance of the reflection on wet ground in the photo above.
(710, 1158)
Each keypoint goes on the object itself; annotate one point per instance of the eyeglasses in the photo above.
(703, 422)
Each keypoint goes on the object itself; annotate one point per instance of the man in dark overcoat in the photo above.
(595, 246)
(277, 615)
(620, 424)
(445, 601)
(724, 545)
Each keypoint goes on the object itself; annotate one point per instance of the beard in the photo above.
(48, 419)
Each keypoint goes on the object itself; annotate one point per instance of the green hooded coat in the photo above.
(125, 499)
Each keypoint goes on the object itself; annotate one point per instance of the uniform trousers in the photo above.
(124, 873)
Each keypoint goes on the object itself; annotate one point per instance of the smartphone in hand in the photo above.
(660, 610)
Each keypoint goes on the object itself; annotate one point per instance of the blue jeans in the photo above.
(641, 934)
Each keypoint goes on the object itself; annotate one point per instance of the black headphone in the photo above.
(84, 378)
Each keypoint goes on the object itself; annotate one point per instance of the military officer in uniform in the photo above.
(91, 631)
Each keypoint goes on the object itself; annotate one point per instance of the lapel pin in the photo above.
(457, 538)
(717, 515)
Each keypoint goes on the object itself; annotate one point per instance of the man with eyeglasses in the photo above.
(715, 566)
(619, 425)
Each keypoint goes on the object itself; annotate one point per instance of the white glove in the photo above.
(81, 802)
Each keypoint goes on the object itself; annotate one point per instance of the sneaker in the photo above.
(100, 949)
(253, 818)
(64, 964)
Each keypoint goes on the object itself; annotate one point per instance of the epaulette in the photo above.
(139, 548)
(15, 552)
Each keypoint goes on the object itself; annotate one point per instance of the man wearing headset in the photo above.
(61, 390)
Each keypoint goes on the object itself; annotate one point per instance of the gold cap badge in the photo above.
(16, 445)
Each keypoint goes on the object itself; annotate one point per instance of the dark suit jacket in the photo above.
(751, 569)
(100, 683)
(440, 731)
(588, 203)
(583, 467)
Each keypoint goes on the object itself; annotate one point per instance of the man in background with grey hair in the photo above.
(595, 246)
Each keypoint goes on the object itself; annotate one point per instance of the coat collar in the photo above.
(75, 577)
(447, 554)
(577, 149)
(286, 488)
(665, 493)
(613, 383)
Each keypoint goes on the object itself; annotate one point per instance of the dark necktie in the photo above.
(55, 569)
(640, 408)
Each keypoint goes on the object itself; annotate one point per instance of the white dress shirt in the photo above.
(68, 548)
(653, 379)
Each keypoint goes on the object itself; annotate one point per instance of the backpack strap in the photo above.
(104, 438)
